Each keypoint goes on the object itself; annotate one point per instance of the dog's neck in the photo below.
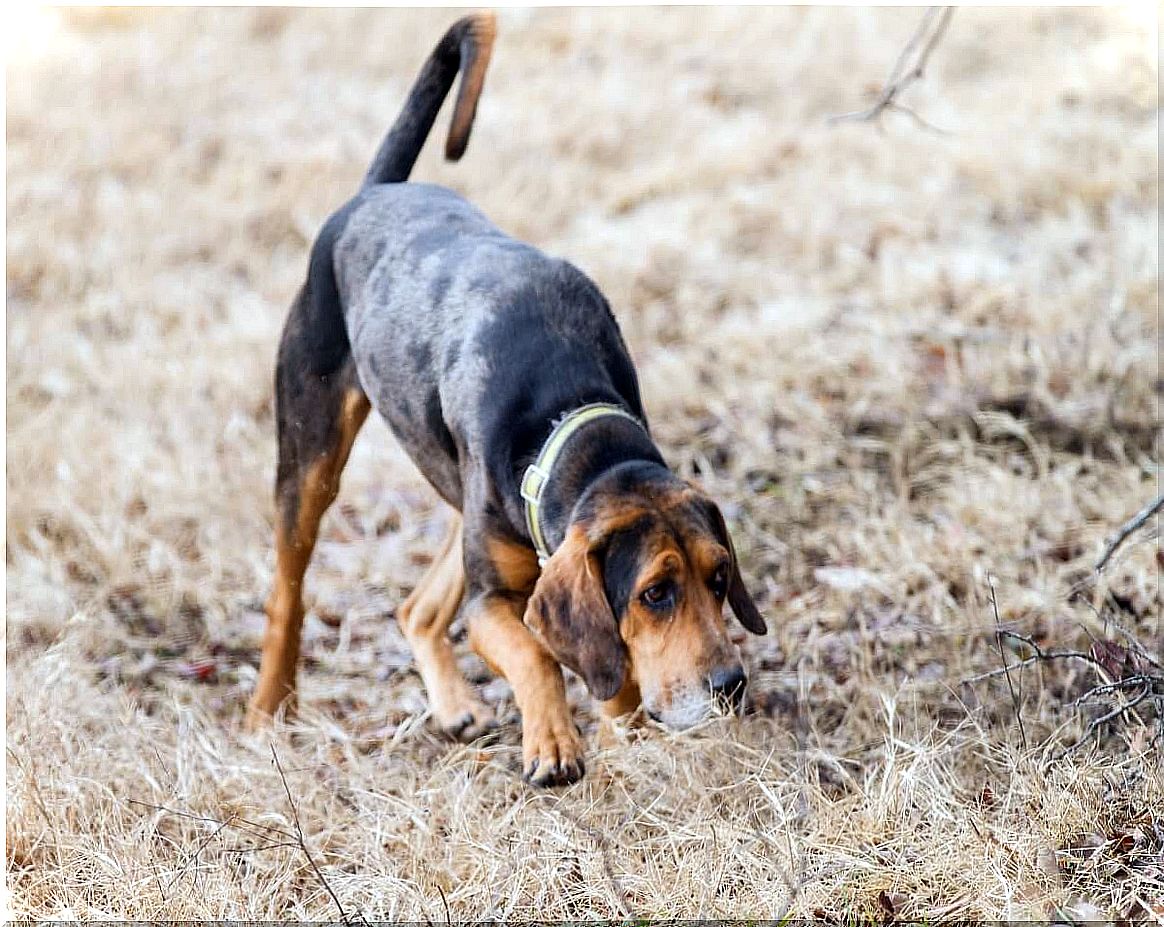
(597, 450)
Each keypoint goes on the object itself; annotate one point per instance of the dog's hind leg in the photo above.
(319, 415)
(424, 619)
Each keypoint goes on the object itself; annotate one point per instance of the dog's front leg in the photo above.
(424, 619)
(551, 745)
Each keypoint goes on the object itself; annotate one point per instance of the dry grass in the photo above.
(910, 364)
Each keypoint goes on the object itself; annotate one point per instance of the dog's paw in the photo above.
(256, 719)
(263, 709)
(551, 751)
(465, 720)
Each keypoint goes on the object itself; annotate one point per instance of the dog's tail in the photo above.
(465, 48)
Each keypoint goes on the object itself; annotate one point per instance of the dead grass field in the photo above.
(911, 365)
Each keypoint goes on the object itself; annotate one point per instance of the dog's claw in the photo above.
(457, 728)
(555, 774)
(547, 771)
(470, 724)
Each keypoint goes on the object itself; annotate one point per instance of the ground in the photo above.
(914, 366)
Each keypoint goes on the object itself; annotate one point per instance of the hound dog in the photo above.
(505, 377)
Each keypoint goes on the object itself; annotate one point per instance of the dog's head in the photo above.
(637, 589)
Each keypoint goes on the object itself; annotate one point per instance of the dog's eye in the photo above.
(660, 597)
(719, 581)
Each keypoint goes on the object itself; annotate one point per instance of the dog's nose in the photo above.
(729, 684)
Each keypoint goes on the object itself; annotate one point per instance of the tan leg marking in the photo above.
(424, 619)
(294, 543)
(617, 711)
(551, 745)
(516, 565)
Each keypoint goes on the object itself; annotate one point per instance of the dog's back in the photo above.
(462, 337)
(460, 333)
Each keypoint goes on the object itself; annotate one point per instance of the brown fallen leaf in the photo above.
(892, 902)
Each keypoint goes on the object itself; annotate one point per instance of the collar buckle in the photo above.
(533, 483)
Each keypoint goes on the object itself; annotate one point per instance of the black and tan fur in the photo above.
(470, 345)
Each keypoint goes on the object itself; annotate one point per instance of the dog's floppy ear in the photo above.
(738, 597)
(569, 614)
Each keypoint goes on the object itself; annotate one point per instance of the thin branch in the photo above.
(303, 843)
(898, 72)
(917, 118)
(1120, 684)
(1130, 526)
(445, 902)
(234, 822)
(258, 848)
(1135, 680)
(197, 854)
(1093, 727)
(1039, 655)
(904, 74)
(1134, 644)
(1006, 667)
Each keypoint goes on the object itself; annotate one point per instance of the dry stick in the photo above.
(1128, 528)
(900, 78)
(202, 817)
(238, 851)
(232, 822)
(196, 856)
(303, 843)
(1116, 687)
(1093, 727)
(1006, 666)
(1134, 645)
(1125, 683)
(1040, 654)
(445, 902)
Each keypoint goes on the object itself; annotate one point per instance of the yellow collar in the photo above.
(537, 474)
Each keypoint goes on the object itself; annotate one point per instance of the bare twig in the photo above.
(303, 843)
(1039, 656)
(1131, 525)
(234, 821)
(1145, 683)
(1135, 646)
(193, 857)
(445, 902)
(917, 118)
(238, 851)
(1094, 726)
(998, 634)
(932, 27)
(1126, 683)
(254, 829)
